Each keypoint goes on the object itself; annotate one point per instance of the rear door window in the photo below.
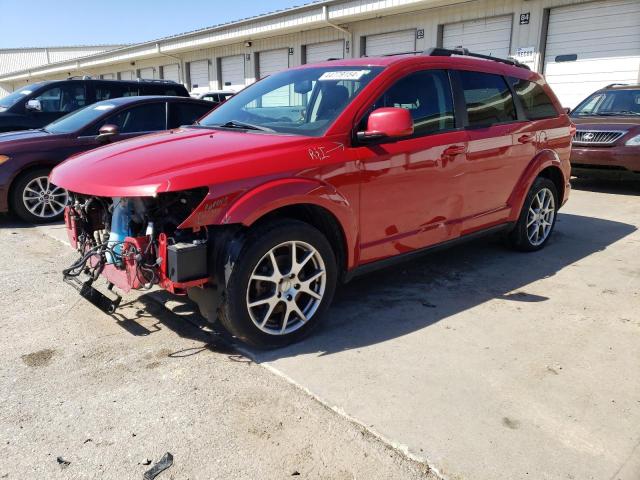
(149, 117)
(487, 97)
(158, 89)
(186, 113)
(133, 91)
(108, 91)
(534, 99)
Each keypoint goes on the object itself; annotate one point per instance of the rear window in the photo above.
(534, 99)
(488, 99)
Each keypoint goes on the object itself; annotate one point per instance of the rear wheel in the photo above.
(280, 285)
(537, 218)
(36, 200)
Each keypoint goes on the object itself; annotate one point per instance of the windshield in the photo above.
(610, 103)
(299, 102)
(74, 121)
(10, 100)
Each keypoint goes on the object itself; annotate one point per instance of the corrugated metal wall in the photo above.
(13, 60)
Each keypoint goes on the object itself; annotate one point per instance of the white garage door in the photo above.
(273, 61)
(171, 72)
(592, 45)
(128, 75)
(199, 75)
(108, 76)
(319, 52)
(232, 72)
(270, 62)
(146, 73)
(488, 36)
(392, 42)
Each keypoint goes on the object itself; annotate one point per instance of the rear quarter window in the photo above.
(534, 100)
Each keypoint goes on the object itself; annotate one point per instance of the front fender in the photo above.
(544, 159)
(247, 207)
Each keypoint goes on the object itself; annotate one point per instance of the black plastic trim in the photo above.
(405, 257)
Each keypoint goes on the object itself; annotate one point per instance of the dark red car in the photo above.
(317, 174)
(27, 157)
(607, 141)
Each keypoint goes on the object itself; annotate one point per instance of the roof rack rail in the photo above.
(445, 52)
(80, 77)
(617, 85)
(413, 52)
(154, 80)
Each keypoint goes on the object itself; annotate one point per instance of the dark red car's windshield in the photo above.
(610, 103)
(301, 102)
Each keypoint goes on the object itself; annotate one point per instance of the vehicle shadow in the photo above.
(400, 300)
(395, 301)
(152, 311)
(617, 187)
(9, 221)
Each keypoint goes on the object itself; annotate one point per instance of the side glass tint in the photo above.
(427, 96)
(488, 99)
(186, 113)
(534, 99)
(149, 117)
(63, 99)
(106, 92)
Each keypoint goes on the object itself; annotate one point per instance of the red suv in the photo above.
(315, 175)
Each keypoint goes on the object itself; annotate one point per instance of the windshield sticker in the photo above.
(104, 107)
(343, 75)
(25, 92)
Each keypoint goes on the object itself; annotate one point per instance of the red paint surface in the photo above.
(389, 198)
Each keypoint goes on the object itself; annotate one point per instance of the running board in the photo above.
(412, 255)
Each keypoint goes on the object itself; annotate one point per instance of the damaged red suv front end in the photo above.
(126, 241)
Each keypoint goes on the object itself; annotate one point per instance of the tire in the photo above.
(259, 311)
(524, 237)
(35, 200)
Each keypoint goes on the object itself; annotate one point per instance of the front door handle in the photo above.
(526, 138)
(454, 150)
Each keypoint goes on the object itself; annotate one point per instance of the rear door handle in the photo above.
(526, 138)
(454, 150)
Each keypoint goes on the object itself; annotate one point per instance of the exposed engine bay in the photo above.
(136, 242)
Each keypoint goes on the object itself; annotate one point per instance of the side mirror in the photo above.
(106, 132)
(389, 123)
(34, 105)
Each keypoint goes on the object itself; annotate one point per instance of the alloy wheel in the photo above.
(540, 217)
(44, 199)
(286, 287)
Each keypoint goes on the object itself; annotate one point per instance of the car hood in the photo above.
(179, 160)
(606, 123)
(24, 140)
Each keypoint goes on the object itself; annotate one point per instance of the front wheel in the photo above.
(537, 218)
(280, 284)
(35, 200)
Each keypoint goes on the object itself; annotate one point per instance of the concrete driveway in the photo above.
(481, 362)
(491, 364)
